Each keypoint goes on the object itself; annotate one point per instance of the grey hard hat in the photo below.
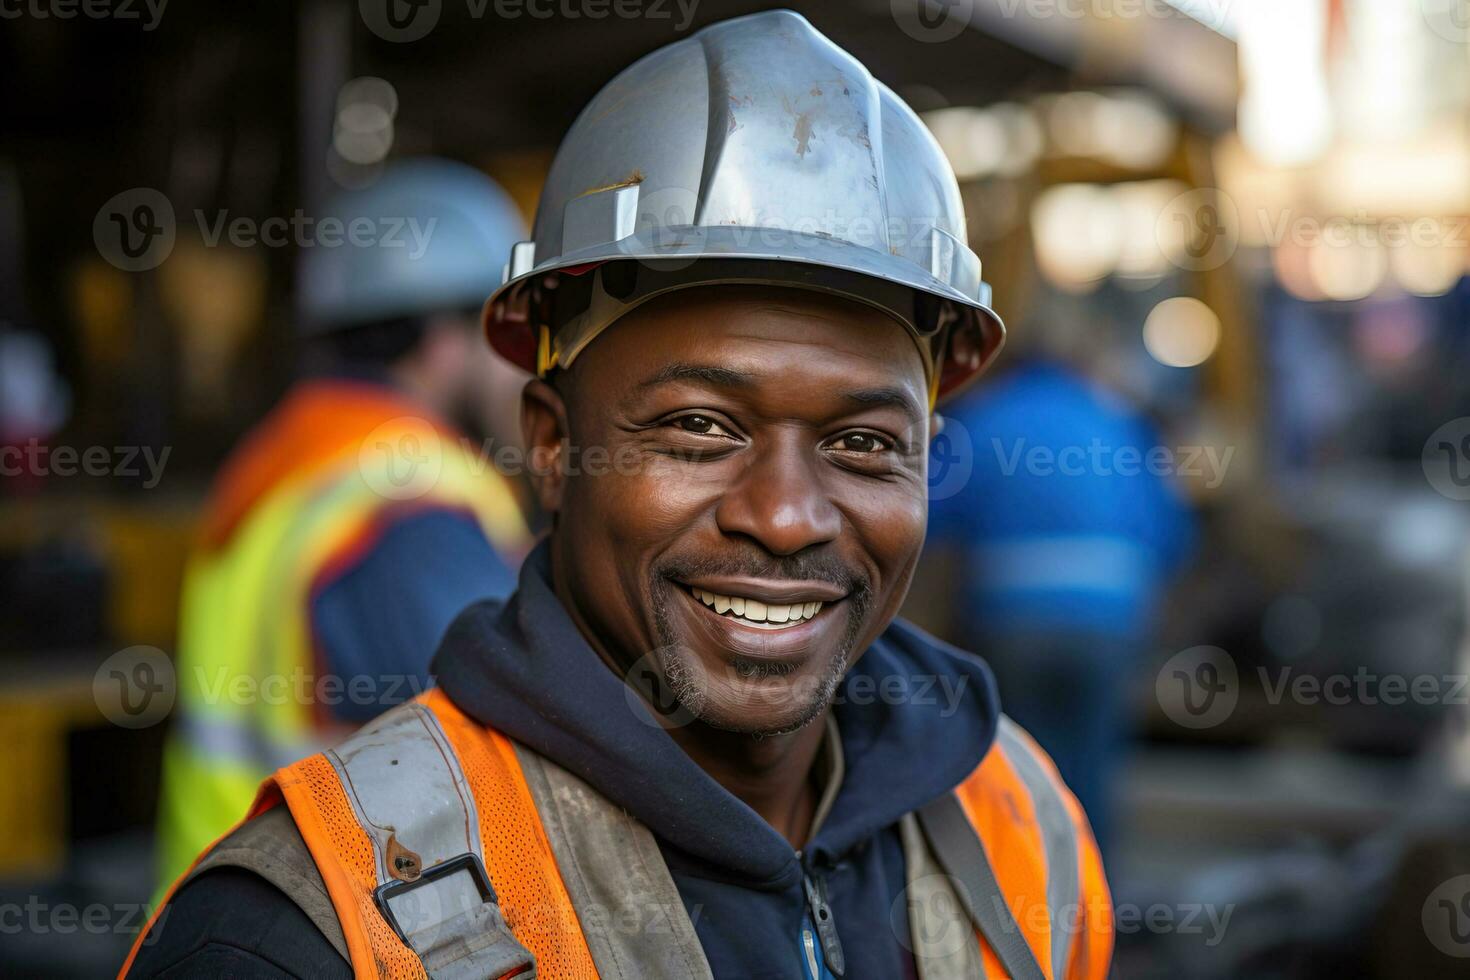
(428, 236)
(754, 151)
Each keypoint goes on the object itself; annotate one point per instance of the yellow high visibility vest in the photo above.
(250, 696)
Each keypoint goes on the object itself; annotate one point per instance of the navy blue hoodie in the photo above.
(915, 715)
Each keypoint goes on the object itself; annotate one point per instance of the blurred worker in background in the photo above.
(1054, 553)
(347, 531)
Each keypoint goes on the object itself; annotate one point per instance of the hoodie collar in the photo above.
(915, 718)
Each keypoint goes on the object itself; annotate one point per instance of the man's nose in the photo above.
(780, 501)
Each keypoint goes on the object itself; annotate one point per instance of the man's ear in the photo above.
(544, 434)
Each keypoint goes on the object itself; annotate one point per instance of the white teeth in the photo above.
(756, 612)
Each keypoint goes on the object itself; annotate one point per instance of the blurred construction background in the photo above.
(1245, 222)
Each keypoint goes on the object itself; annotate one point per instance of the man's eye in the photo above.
(701, 424)
(860, 442)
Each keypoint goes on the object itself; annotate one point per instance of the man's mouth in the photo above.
(748, 611)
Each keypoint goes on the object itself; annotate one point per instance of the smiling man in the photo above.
(696, 741)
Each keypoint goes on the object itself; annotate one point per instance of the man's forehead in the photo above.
(749, 338)
(697, 317)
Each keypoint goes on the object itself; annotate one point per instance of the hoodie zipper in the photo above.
(826, 926)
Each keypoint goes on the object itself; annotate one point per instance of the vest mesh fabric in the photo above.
(518, 856)
(325, 817)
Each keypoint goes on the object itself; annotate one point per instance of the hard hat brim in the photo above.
(517, 324)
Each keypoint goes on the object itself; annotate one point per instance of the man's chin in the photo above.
(755, 702)
(739, 722)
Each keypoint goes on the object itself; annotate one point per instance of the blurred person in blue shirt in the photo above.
(1053, 535)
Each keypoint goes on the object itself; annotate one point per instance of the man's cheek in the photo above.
(670, 494)
(892, 526)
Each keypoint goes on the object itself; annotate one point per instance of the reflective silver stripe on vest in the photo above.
(406, 788)
(404, 783)
(1059, 838)
(237, 741)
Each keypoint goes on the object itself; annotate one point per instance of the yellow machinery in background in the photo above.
(49, 694)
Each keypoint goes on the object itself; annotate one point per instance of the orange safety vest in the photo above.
(426, 791)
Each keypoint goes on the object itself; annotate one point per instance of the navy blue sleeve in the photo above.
(378, 624)
(229, 922)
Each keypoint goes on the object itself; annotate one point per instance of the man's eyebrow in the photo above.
(880, 397)
(706, 373)
(887, 396)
